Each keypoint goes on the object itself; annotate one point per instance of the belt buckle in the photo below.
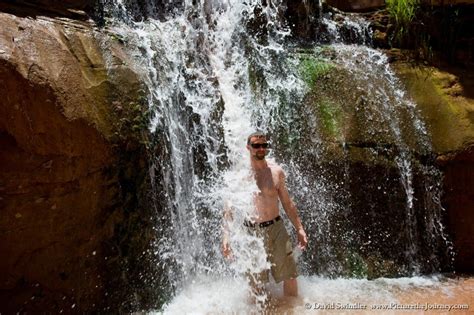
(262, 224)
(249, 224)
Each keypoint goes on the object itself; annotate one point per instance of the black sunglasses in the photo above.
(260, 145)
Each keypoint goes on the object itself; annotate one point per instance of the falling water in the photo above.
(196, 65)
(389, 118)
(217, 71)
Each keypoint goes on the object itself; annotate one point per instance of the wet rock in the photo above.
(350, 134)
(68, 8)
(63, 192)
(356, 5)
(302, 17)
(458, 199)
(380, 39)
(354, 149)
(444, 96)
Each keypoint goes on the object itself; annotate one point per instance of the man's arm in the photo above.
(226, 251)
(290, 209)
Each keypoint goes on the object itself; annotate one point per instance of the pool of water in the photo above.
(412, 295)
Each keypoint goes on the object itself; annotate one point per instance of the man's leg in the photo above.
(290, 287)
(258, 294)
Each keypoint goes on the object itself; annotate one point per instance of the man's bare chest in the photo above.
(267, 182)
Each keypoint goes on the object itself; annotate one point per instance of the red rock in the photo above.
(356, 5)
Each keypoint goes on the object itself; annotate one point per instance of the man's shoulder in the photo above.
(274, 166)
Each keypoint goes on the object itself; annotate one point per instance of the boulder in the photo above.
(444, 97)
(357, 142)
(68, 8)
(356, 5)
(64, 162)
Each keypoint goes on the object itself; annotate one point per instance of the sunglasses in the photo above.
(260, 145)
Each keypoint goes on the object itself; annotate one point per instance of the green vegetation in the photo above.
(319, 73)
(403, 12)
(330, 115)
(132, 122)
(356, 265)
(256, 79)
(312, 68)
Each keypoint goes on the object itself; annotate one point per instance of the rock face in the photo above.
(444, 96)
(442, 32)
(436, 33)
(302, 17)
(63, 164)
(459, 202)
(69, 8)
(353, 135)
(356, 5)
(73, 166)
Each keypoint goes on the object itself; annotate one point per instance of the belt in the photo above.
(262, 224)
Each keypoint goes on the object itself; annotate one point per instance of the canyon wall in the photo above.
(73, 168)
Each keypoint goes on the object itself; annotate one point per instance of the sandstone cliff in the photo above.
(71, 169)
(73, 218)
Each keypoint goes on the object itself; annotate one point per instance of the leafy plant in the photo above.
(356, 265)
(330, 116)
(312, 68)
(403, 12)
(131, 124)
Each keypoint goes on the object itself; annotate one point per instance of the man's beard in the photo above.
(259, 156)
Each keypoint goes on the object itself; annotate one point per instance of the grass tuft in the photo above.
(403, 12)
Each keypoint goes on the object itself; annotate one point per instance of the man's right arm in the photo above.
(227, 218)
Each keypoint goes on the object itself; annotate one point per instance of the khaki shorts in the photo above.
(279, 253)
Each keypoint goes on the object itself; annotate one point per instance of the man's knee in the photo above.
(291, 281)
(290, 287)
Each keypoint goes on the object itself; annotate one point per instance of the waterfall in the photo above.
(215, 71)
(196, 65)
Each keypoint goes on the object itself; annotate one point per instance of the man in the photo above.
(267, 222)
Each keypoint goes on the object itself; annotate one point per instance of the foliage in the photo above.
(256, 79)
(356, 265)
(312, 68)
(131, 124)
(403, 12)
(330, 116)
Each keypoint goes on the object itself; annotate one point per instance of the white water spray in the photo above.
(201, 67)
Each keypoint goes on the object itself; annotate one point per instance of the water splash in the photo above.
(196, 67)
(216, 71)
(224, 296)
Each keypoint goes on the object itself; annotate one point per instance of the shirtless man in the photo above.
(267, 223)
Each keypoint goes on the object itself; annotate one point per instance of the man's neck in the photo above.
(258, 164)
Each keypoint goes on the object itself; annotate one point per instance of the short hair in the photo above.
(257, 134)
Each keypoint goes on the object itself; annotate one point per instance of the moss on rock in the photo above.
(312, 68)
(444, 102)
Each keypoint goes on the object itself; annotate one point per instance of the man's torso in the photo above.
(266, 199)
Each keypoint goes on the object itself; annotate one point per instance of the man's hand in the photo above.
(226, 251)
(302, 238)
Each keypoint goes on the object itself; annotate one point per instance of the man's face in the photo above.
(258, 148)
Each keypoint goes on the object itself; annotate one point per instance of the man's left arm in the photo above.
(291, 211)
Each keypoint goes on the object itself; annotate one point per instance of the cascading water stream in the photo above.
(391, 102)
(217, 71)
(196, 69)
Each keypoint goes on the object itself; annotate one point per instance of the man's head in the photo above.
(257, 145)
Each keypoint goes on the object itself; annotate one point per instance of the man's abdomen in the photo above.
(266, 208)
